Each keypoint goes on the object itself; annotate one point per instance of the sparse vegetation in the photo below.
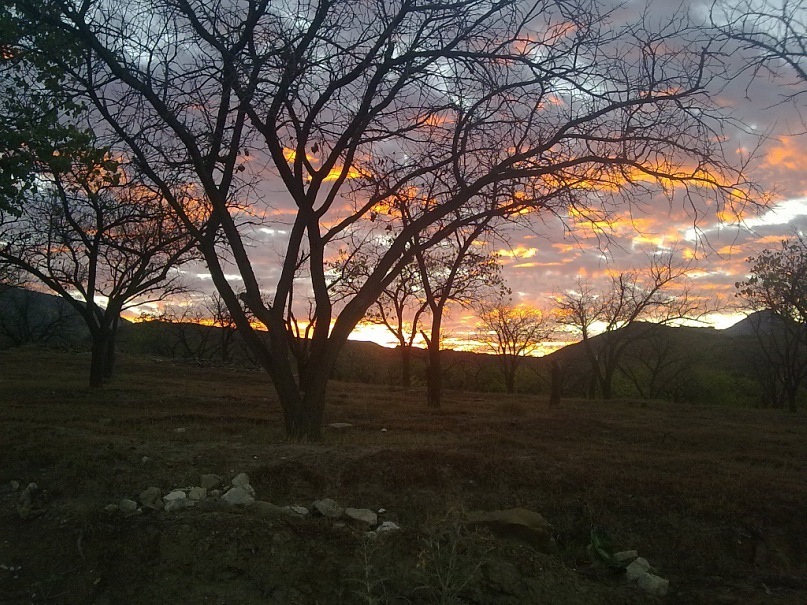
(701, 491)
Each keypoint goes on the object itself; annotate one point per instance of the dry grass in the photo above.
(702, 492)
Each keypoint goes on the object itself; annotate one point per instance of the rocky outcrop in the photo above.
(518, 524)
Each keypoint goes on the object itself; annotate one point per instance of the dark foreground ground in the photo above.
(714, 498)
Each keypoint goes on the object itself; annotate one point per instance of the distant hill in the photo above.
(675, 363)
(31, 317)
(27, 316)
(764, 320)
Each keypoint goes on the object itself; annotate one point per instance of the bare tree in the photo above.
(773, 34)
(499, 107)
(608, 321)
(512, 333)
(27, 317)
(101, 240)
(400, 305)
(11, 276)
(778, 286)
(658, 365)
(453, 271)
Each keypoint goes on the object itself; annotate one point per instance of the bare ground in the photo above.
(713, 497)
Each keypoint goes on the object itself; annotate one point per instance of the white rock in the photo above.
(145, 460)
(300, 510)
(238, 495)
(381, 511)
(387, 526)
(340, 425)
(328, 508)
(180, 430)
(654, 585)
(197, 493)
(362, 515)
(637, 569)
(175, 500)
(383, 430)
(127, 506)
(210, 481)
(240, 480)
(626, 555)
(152, 498)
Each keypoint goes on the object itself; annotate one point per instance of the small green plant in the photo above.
(369, 584)
(450, 558)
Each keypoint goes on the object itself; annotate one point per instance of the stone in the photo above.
(180, 430)
(111, 508)
(327, 508)
(381, 511)
(210, 481)
(519, 524)
(175, 500)
(240, 480)
(197, 493)
(24, 507)
(625, 556)
(340, 425)
(637, 569)
(301, 511)
(654, 585)
(238, 495)
(387, 526)
(214, 493)
(383, 430)
(362, 515)
(145, 460)
(127, 506)
(151, 497)
(266, 509)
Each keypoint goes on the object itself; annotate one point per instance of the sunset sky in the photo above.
(545, 257)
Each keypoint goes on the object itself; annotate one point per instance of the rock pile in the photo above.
(239, 492)
(639, 571)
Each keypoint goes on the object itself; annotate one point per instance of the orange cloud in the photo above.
(787, 155)
(518, 252)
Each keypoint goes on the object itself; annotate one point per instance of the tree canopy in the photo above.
(398, 118)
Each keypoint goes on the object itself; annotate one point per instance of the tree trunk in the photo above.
(592, 387)
(792, 391)
(406, 366)
(510, 376)
(434, 374)
(607, 383)
(302, 406)
(109, 353)
(555, 383)
(98, 357)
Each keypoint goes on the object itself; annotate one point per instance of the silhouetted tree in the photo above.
(512, 332)
(400, 305)
(624, 312)
(778, 285)
(772, 35)
(658, 365)
(499, 108)
(101, 240)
